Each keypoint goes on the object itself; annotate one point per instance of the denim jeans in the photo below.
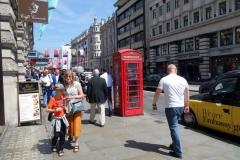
(109, 91)
(173, 114)
(46, 91)
(84, 90)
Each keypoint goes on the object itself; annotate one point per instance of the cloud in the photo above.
(70, 19)
(65, 10)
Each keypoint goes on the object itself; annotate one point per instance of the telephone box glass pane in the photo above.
(116, 89)
(132, 85)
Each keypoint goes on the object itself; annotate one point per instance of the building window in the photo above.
(122, 43)
(237, 4)
(238, 35)
(153, 32)
(197, 43)
(160, 10)
(168, 6)
(121, 30)
(222, 8)
(176, 3)
(127, 27)
(186, 1)
(126, 14)
(160, 29)
(154, 14)
(226, 37)
(185, 21)
(180, 46)
(127, 41)
(208, 12)
(139, 5)
(133, 39)
(158, 50)
(132, 9)
(139, 21)
(196, 17)
(139, 36)
(189, 44)
(164, 49)
(168, 26)
(132, 24)
(213, 40)
(176, 24)
(121, 17)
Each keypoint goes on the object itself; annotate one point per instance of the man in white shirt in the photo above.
(176, 94)
(46, 84)
(108, 80)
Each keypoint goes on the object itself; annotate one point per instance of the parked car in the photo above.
(206, 86)
(219, 109)
(152, 80)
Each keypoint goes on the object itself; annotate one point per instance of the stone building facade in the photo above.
(200, 37)
(130, 27)
(80, 43)
(108, 43)
(16, 40)
(94, 44)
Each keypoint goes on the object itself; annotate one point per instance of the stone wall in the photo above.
(16, 40)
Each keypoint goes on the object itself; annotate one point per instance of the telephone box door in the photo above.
(133, 88)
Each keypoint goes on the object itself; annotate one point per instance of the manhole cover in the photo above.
(158, 121)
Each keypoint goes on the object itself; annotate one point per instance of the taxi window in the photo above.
(224, 89)
(225, 86)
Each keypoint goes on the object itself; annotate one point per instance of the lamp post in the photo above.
(130, 28)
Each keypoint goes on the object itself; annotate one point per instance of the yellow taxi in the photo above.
(219, 109)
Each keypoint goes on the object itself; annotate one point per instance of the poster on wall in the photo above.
(29, 108)
(65, 53)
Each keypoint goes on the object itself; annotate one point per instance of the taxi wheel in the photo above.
(189, 119)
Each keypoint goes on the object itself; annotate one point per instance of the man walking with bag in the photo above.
(176, 94)
(46, 84)
(108, 80)
(97, 96)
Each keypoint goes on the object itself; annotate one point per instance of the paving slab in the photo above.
(26, 142)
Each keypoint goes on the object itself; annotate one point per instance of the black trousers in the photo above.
(61, 135)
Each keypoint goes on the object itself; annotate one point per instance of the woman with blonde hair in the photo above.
(73, 91)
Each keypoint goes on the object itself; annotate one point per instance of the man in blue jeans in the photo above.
(46, 84)
(108, 80)
(176, 94)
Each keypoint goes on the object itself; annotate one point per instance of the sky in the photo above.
(70, 19)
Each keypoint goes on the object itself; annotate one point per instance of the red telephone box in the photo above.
(127, 82)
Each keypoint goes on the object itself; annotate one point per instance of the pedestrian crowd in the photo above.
(70, 90)
(64, 106)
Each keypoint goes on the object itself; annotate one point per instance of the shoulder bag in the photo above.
(76, 105)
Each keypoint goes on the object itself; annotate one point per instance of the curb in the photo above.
(5, 130)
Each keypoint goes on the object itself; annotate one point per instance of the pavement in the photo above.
(122, 138)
